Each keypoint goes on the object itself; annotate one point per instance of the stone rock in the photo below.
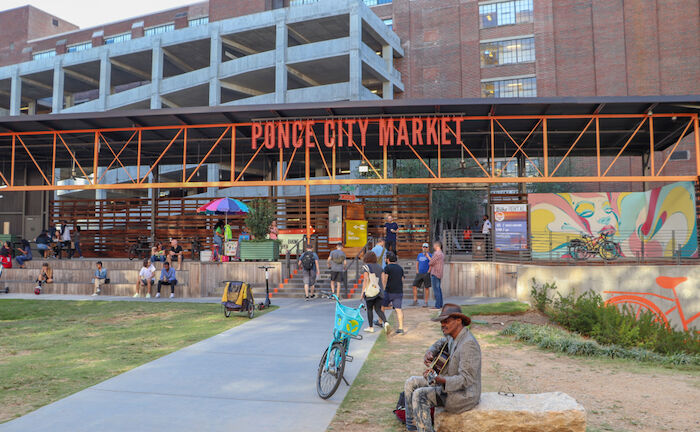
(523, 413)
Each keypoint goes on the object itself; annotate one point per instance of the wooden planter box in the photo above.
(260, 250)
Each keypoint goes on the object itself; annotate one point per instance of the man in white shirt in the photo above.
(145, 278)
(65, 239)
(486, 226)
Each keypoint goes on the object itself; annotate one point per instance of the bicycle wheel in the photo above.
(329, 378)
(609, 250)
(133, 252)
(227, 313)
(578, 251)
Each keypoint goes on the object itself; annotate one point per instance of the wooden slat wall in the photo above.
(482, 279)
(109, 226)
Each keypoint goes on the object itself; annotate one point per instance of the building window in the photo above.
(159, 29)
(367, 2)
(509, 88)
(507, 51)
(118, 38)
(44, 54)
(389, 23)
(376, 2)
(79, 47)
(505, 13)
(198, 21)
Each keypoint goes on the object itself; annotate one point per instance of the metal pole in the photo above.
(550, 245)
(673, 241)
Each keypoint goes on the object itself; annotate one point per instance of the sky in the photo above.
(90, 13)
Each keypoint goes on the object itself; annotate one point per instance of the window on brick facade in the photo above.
(509, 88)
(389, 23)
(198, 21)
(159, 29)
(118, 38)
(507, 52)
(44, 54)
(367, 2)
(79, 47)
(505, 13)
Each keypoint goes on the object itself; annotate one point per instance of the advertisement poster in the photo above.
(335, 224)
(510, 227)
(356, 233)
(230, 248)
(289, 237)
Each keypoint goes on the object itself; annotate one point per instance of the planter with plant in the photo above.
(260, 216)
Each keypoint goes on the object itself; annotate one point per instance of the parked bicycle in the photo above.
(348, 322)
(141, 248)
(588, 247)
(196, 248)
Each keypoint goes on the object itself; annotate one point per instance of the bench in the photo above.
(523, 413)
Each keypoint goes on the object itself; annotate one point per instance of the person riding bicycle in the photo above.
(457, 385)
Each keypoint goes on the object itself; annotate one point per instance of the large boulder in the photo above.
(523, 413)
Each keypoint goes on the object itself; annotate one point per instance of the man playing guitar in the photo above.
(453, 377)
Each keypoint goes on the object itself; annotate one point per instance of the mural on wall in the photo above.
(656, 222)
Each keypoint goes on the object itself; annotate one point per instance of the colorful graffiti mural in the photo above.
(657, 223)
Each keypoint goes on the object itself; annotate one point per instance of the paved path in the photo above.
(259, 376)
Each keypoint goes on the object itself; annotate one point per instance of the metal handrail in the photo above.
(288, 260)
(356, 260)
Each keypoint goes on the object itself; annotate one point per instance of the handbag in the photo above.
(372, 289)
(106, 280)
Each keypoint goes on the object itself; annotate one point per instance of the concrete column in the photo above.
(355, 59)
(212, 176)
(388, 86)
(58, 86)
(15, 93)
(156, 74)
(100, 194)
(105, 80)
(281, 60)
(214, 62)
(31, 108)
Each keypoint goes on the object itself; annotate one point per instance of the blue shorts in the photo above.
(394, 299)
(42, 246)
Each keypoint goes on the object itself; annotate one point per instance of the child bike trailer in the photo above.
(238, 297)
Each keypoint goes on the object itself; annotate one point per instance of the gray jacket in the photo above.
(463, 373)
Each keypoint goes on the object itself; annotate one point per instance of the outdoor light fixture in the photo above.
(363, 168)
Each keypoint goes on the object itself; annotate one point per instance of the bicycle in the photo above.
(196, 248)
(140, 248)
(348, 322)
(588, 247)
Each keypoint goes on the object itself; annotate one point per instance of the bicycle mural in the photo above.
(656, 303)
(660, 222)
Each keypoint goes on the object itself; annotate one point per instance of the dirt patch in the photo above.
(617, 395)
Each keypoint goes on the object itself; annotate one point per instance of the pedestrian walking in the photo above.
(393, 283)
(486, 225)
(372, 291)
(437, 263)
(100, 278)
(308, 262)
(422, 278)
(391, 228)
(380, 252)
(167, 277)
(337, 261)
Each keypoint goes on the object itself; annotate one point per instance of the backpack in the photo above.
(307, 260)
(372, 289)
(339, 259)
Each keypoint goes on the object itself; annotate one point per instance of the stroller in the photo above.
(238, 297)
(5, 290)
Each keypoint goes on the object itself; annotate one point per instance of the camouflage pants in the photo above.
(419, 399)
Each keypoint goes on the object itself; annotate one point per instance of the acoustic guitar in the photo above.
(438, 364)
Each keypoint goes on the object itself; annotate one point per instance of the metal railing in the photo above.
(287, 255)
(356, 261)
(624, 247)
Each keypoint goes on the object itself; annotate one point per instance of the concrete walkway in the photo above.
(259, 376)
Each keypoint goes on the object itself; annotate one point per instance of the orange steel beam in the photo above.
(697, 144)
(519, 148)
(493, 150)
(371, 181)
(281, 162)
(418, 156)
(138, 158)
(33, 160)
(233, 153)
(333, 162)
(4, 179)
(468, 151)
(307, 175)
(208, 153)
(325, 165)
(673, 149)
(260, 147)
(289, 164)
(96, 156)
(116, 158)
(545, 148)
(651, 145)
(572, 146)
(155, 164)
(351, 140)
(53, 161)
(72, 155)
(184, 157)
(12, 161)
(597, 144)
(624, 147)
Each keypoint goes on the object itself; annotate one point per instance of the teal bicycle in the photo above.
(348, 322)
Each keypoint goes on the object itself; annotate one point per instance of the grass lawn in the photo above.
(504, 308)
(51, 349)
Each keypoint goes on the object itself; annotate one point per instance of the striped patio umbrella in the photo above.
(224, 206)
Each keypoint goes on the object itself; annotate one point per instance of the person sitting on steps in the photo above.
(455, 385)
(175, 253)
(45, 276)
(26, 254)
(145, 278)
(167, 277)
(100, 278)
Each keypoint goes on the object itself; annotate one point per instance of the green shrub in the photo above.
(558, 340)
(260, 216)
(540, 294)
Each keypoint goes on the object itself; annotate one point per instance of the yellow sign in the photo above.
(355, 233)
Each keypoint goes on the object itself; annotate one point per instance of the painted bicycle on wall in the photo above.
(642, 301)
(587, 246)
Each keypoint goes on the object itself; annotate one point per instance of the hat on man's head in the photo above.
(451, 310)
(426, 245)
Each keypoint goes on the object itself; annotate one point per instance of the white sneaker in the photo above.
(172, 295)
(148, 295)
(136, 295)
(98, 291)
(387, 328)
(94, 294)
(157, 295)
(369, 329)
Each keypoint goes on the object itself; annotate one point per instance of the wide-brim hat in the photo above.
(451, 310)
